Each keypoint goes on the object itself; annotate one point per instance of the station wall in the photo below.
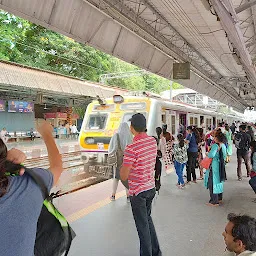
(17, 121)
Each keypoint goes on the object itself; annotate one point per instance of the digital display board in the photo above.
(2, 105)
(20, 106)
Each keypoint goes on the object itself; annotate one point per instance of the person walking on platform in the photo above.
(208, 139)
(240, 235)
(252, 181)
(250, 132)
(233, 128)
(169, 146)
(228, 135)
(242, 142)
(192, 139)
(216, 175)
(119, 141)
(200, 152)
(180, 159)
(161, 145)
(21, 198)
(138, 167)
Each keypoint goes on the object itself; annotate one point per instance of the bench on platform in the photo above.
(21, 135)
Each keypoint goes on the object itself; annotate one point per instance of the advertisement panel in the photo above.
(2, 105)
(20, 106)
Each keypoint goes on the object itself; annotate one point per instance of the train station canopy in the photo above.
(217, 37)
(30, 84)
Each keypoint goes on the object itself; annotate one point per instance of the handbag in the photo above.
(206, 163)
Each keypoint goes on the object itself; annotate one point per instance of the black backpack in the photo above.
(242, 141)
(54, 235)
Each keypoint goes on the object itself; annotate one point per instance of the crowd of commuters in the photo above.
(66, 131)
(145, 157)
(136, 167)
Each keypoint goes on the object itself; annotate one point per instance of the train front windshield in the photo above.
(97, 122)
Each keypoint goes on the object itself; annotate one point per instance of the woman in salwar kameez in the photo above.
(216, 175)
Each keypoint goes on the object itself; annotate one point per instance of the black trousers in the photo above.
(214, 198)
(191, 165)
(141, 209)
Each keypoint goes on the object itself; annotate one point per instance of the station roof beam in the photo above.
(153, 34)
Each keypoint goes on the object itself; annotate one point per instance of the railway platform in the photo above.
(185, 224)
(37, 148)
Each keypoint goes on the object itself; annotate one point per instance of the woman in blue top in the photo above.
(21, 199)
(216, 175)
(193, 138)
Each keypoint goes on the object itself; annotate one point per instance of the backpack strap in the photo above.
(38, 181)
(45, 193)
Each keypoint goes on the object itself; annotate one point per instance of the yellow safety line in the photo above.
(82, 213)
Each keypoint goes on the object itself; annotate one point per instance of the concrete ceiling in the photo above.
(153, 34)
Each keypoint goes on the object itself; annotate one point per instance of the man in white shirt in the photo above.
(74, 131)
(240, 235)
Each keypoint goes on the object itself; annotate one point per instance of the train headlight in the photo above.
(89, 141)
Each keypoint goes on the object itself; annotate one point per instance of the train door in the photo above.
(164, 119)
(183, 123)
(202, 122)
(213, 122)
(173, 124)
(196, 121)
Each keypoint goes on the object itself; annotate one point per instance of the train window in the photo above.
(191, 121)
(163, 119)
(173, 125)
(128, 116)
(97, 121)
(196, 121)
(133, 106)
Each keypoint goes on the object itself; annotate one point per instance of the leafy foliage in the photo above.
(29, 44)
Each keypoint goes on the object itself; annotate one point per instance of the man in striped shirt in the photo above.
(138, 167)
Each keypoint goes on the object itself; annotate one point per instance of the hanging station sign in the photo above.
(181, 70)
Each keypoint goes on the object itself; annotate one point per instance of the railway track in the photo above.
(73, 177)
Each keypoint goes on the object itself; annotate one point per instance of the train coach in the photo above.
(102, 119)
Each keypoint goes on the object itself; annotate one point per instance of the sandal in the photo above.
(213, 205)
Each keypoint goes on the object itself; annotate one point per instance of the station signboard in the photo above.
(2, 105)
(181, 71)
(20, 106)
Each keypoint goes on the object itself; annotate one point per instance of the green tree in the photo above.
(33, 45)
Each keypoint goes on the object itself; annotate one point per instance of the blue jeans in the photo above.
(141, 209)
(179, 171)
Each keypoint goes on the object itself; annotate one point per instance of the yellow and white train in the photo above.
(101, 121)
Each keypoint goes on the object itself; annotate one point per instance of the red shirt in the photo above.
(141, 154)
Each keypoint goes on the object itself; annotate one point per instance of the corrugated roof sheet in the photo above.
(14, 74)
